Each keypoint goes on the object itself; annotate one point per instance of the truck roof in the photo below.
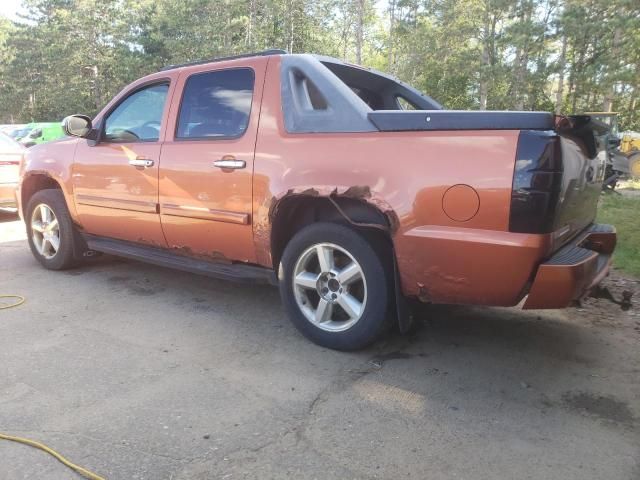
(263, 53)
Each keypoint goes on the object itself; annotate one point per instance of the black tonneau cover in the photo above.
(416, 120)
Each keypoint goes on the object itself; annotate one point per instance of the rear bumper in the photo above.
(8, 195)
(574, 269)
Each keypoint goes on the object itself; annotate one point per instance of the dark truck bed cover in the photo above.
(416, 120)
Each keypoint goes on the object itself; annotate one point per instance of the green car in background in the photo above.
(41, 133)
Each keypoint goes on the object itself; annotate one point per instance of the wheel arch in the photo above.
(354, 206)
(33, 182)
(301, 207)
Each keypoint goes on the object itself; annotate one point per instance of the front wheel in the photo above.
(50, 230)
(335, 286)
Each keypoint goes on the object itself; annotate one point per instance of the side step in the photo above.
(238, 272)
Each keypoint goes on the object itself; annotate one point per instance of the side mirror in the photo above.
(77, 126)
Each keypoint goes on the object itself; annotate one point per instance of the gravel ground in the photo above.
(137, 372)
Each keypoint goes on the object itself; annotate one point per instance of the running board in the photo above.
(238, 272)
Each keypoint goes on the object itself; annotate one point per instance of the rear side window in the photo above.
(216, 105)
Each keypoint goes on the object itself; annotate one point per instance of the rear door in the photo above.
(207, 161)
(116, 180)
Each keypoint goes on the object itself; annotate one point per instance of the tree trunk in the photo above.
(359, 30)
(488, 54)
(392, 21)
(96, 86)
(252, 15)
(609, 95)
(522, 58)
(291, 28)
(562, 65)
(576, 82)
(484, 81)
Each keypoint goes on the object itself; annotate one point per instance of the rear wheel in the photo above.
(335, 287)
(50, 230)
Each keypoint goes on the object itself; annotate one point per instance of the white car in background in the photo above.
(10, 158)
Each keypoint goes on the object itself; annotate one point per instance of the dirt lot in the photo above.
(138, 372)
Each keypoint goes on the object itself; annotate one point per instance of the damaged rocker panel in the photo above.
(211, 266)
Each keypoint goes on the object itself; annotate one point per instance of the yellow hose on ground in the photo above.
(20, 301)
(82, 471)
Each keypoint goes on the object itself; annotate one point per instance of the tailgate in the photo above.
(558, 177)
(582, 147)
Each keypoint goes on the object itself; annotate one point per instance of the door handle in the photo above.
(228, 163)
(141, 162)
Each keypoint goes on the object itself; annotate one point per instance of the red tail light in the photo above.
(537, 182)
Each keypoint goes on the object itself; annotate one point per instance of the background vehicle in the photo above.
(19, 132)
(41, 133)
(10, 127)
(623, 150)
(310, 173)
(10, 157)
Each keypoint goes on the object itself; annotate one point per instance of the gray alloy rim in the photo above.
(330, 287)
(45, 231)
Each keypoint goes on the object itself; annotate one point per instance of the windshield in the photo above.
(21, 132)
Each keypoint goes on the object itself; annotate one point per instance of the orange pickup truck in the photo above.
(349, 189)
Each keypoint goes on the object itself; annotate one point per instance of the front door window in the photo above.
(138, 117)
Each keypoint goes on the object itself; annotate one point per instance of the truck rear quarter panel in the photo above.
(467, 256)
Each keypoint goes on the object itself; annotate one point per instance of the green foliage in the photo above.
(70, 56)
(623, 213)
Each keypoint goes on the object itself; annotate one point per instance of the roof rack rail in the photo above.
(264, 53)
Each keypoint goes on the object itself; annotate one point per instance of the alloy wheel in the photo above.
(45, 231)
(330, 287)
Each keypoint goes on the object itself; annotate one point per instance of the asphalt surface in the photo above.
(138, 372)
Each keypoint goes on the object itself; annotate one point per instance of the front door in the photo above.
(116, 180)
(206, 168)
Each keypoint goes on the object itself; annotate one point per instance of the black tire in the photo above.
(64, 257)
(373, 321)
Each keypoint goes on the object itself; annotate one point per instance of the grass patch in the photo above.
(623, 212)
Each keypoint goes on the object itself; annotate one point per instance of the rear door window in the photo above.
(216, 105)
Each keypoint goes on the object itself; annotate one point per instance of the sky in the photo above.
(9, 8)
